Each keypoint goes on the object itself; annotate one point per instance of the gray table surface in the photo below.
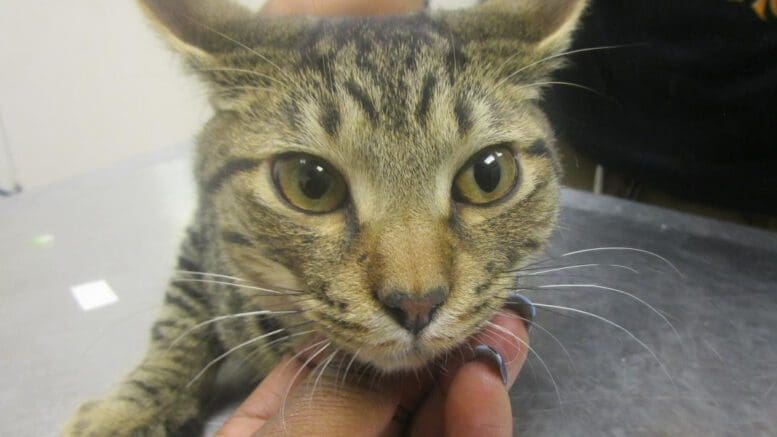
(123, 225)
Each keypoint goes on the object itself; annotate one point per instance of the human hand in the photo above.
(468, 398)
(340, 7)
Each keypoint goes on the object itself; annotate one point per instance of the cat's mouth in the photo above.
(412, 354)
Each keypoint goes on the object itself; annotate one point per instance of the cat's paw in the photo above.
(118, 417)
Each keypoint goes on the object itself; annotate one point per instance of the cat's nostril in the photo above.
(413, 312)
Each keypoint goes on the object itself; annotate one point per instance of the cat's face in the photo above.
(394, 169)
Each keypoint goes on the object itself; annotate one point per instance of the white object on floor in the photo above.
(93, 295)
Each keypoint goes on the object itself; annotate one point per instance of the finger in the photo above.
(266, 400)
(340, 7)
(506, 333)
(430, 418)
(507, 336)
(365, 406)
(477, 403)
(335, 410)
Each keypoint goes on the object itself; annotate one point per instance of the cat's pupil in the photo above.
(314, 179)
(488, 172)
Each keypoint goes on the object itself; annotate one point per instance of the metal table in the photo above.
(123, 225)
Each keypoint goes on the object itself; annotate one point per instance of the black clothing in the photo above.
(690, 109)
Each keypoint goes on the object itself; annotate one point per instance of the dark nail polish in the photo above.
(523, 306)
(484, 351)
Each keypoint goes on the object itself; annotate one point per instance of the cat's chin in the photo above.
(414, 356)
(412, 360)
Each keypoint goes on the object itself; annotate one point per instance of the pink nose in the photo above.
(413, 312)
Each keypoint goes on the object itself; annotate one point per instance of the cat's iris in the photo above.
(309, 183)
(487, 177)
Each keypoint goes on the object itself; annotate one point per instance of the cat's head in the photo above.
(394, 168)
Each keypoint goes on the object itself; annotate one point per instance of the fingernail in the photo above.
(484, 351)
(523, 306)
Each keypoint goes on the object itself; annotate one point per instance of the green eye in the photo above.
(488, 176)
(309, 183)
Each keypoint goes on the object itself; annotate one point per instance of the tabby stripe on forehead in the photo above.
(230, 169)
(330, 118)
(424, 103)
(364, 101)
(463, 114)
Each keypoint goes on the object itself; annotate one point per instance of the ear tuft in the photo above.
(547, 24)
(196, 27)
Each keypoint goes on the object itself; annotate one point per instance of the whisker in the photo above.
(261, 56)
(578, 266)
(541, 328)
(611, 323)
(296, 334)
(547, 369)
(281, 339)
(569, 84)
(227, 317)
(225, 354)
(631, 249)
(556, 56)
(320, 374)
(210, 275)
(350, 363)
(614, 290)
(243, 88)
(495, 336)
(339, 367)
(296, 375)
(232, 284)
(241, 71)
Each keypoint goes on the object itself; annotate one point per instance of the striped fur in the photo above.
(397, 105)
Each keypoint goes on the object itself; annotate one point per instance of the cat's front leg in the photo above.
(159, 397)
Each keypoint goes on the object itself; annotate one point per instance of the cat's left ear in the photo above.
(546, 24)
(515, 34)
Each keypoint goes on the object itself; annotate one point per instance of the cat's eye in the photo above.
(488, 176)
(309, 183)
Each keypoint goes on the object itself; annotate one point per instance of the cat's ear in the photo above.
(545, 24)
(197, 29)
(232, 48)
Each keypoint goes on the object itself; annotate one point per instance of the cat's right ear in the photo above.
(226, 44)
(197, 29)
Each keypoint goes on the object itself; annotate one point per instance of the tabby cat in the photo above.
(368, 180)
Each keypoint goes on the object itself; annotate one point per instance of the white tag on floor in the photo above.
(94, 295)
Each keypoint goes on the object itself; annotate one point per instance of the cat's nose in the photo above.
(413, 312)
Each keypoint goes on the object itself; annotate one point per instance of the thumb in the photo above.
(295, 399)
(327, 406)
